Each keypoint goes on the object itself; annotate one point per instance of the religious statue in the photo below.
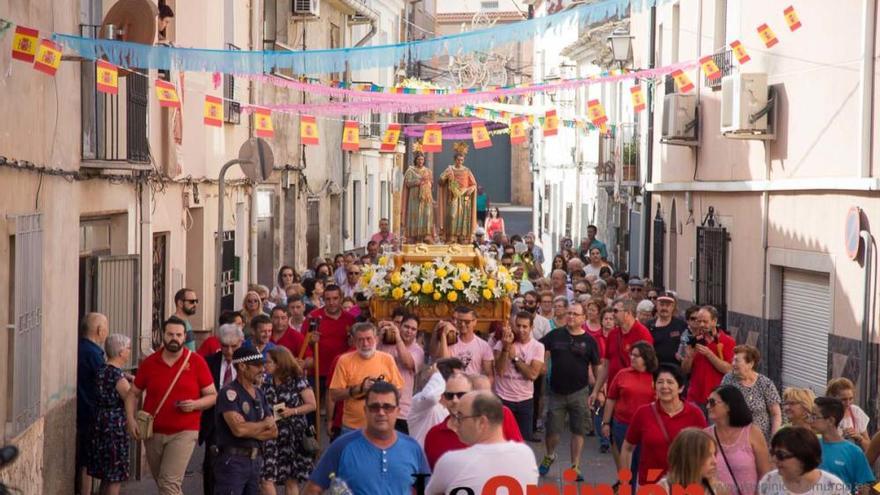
(418, 200)
(458, 200)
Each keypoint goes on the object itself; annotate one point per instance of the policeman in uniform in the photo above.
(244, 421)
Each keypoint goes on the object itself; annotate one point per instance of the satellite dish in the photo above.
(131, 20)
(259, 162)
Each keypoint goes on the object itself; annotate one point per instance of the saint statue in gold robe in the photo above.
(458, 199)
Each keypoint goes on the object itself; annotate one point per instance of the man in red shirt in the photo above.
(708, 359)
(441, 438)
(177, 416)
(619, 342)
(329, 326)
(295, 342)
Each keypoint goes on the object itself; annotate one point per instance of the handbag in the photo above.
(724, 456)
(144, 419)
(310, 445)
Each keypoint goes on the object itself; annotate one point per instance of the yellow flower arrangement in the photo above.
(441, 272)
(487, 294)
(427, 288)
(452, 296)
(415, 287)
(397, 293)
(490, 283)
(438, 296)
(458, 285)
(396, 279)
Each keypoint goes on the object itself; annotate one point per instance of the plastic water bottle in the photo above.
(338, 486)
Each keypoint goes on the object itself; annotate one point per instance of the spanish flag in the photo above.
(213, 111)
(107, 77)
(351, 136)
(517, 130)
(166, 93)
(432, 141)
(682, 81)
(48, 57)
(596, 112)
(740, 52)
(791, 18)
(263, 123)
(638, 98)
(767, 36)
(551, 123)
(389, 140)
(308, 130)
(710, 68)
(480, 135)
(24, 44)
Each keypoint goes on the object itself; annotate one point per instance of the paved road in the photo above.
(596, 468)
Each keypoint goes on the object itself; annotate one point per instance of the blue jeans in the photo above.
(597, 425)
(618, 434)
(522, 411)
(237, 475)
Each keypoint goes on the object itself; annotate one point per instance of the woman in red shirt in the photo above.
(630, 389)
(655, 425)
(494, 223)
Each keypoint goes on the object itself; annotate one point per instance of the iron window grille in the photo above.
(231, 108)
(724, 61)
(711, 266)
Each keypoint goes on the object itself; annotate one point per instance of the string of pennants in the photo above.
(45, 56)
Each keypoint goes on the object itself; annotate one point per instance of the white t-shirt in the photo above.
(475, 465)
(850, 413)
(828, 484)
(540, 327)
(425, 410)
(472, 354)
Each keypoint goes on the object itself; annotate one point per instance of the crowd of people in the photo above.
(587, 350)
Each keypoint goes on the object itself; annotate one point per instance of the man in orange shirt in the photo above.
(357, 371)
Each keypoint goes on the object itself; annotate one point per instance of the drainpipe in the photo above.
(373, 19)
(146, 275)
(867, 328)
(649, 150)
(252, 237)
(866, 72)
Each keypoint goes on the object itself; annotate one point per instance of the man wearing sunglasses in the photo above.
(186, 302)
(377, 458)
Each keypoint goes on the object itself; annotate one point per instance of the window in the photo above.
(26, 259)
(489, 5)
(231, 108)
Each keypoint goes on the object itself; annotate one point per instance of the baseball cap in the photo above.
(636, 282)
(667, 295)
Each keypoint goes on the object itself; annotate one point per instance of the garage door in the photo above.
(806, 323)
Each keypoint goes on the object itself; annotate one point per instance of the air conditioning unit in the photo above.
(679, 117)
(307, 8)
(744, 99)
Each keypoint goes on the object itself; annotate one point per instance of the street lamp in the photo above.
(620, 42)
(257, 161)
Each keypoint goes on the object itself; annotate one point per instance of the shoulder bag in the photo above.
(654, 407)
(726, 463)
(145, 419)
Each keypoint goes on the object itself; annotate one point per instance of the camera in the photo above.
(698, 340)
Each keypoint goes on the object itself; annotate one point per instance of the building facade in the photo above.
(751, 215)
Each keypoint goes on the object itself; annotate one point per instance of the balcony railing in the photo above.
(114, 127)
(626, 150)
(724, 61)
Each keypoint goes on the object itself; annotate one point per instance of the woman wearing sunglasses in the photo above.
(741, 449)
(797, 454)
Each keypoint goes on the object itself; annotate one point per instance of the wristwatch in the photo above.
(515, 359)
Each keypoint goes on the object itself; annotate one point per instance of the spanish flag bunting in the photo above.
(791, 18)
(213, 111)
(739, 52)
(308, 130)
(166, 93)
(531, 119)
(682, 81)
(24, 44)
(517, 130)
(638, 98)
(480, 135)
(48, 57)
(432, 141)
(710, 68)
(596, 112)
(551, 123)
(107, 77)
(390, 138)
(351, 136)
(767, 36)
(263, 123)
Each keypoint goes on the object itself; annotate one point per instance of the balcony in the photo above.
(626, 150)
(114, 127)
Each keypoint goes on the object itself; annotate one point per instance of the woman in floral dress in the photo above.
(108, 453)
(284, 459)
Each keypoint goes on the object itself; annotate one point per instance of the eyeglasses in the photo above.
(781, 455)
(453, 395)
(191, 301)
(353, 273)
(459, 321)
(635, 289)
(376, 407)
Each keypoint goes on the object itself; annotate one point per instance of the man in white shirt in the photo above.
(478, 422)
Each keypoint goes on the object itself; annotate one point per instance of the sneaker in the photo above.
(577, 470)
(544, 468)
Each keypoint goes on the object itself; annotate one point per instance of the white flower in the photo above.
(472, 295)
